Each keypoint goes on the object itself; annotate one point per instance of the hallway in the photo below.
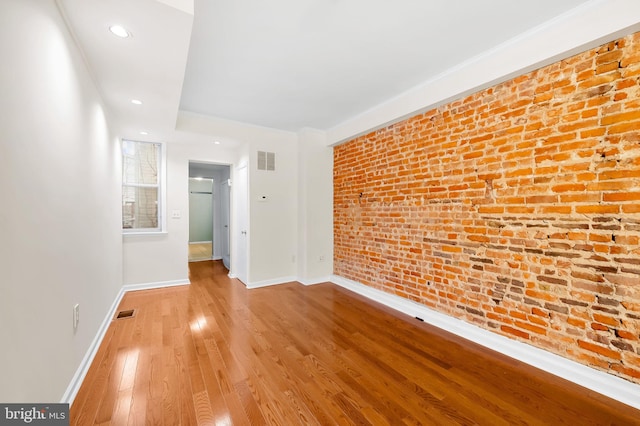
(200, 251)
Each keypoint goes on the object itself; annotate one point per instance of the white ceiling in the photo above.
(290, 64)
(148, 66)
(283, 64)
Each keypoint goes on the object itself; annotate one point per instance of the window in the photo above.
(141, 187)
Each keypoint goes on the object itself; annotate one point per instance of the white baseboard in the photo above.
(83, 368)
(596, 380)
(275, 281)
(81, 372)
(284, 280)
(159, 284)
(315, 281)
(206, 260)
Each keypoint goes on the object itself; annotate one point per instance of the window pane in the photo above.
(139, 207)
(140, 162)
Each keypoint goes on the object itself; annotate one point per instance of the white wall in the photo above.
(315, 201)
(164, 258)
(60, 216)
(272, 228)
(273, 223)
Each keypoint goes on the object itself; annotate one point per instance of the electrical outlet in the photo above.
(76, 315)
(321, 258)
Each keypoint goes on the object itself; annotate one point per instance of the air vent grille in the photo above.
(126, 314)
(266, 160)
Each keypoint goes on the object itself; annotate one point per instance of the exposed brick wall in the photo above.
(516, 208)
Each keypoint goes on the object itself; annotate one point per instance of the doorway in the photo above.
(209, 212)
(201, 201)
(241, 194)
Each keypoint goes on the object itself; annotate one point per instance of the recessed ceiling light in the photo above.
(136, 101)
(144, 133)
(120, 31)
(216, 142)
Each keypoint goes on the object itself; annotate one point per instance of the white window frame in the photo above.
(161, 185)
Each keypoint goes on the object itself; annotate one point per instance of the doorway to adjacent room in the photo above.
(209, 212)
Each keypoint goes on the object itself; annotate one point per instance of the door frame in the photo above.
(218, 165)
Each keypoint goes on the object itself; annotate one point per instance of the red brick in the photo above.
(631, 208)
(556, 209)
(598, 209)
(621, 196)
(539, 312)
(598, 326)
(624, 128)
(576, 322)
(535, 177)
(618, 118)
(603, 319)
(569, 187)
(623, 334)
(542, 199)
(531, 327)
(491, 209)
(628, 371)
(514, 331)
(609, 353)
(580, 198)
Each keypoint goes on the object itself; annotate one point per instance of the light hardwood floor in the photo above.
(214, 353)
(200, 251)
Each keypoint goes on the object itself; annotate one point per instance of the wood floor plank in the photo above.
(415, 374)
(249, 404)
(153, 414)
(108, 402)
(388, 393)
(88, 402)
(184, 390)
(123, 407)
(214, 352)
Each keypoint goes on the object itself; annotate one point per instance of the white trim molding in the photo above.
(285, 280)
(274, 281)
(596, 380)
(82, 370)
(205, 260)
(314, 281)
(159, 284)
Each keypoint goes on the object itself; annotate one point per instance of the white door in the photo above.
(241, 229)
(225, 237)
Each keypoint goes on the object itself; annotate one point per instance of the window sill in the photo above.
(143, 233)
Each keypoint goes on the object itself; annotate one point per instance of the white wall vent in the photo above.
(266, 160)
